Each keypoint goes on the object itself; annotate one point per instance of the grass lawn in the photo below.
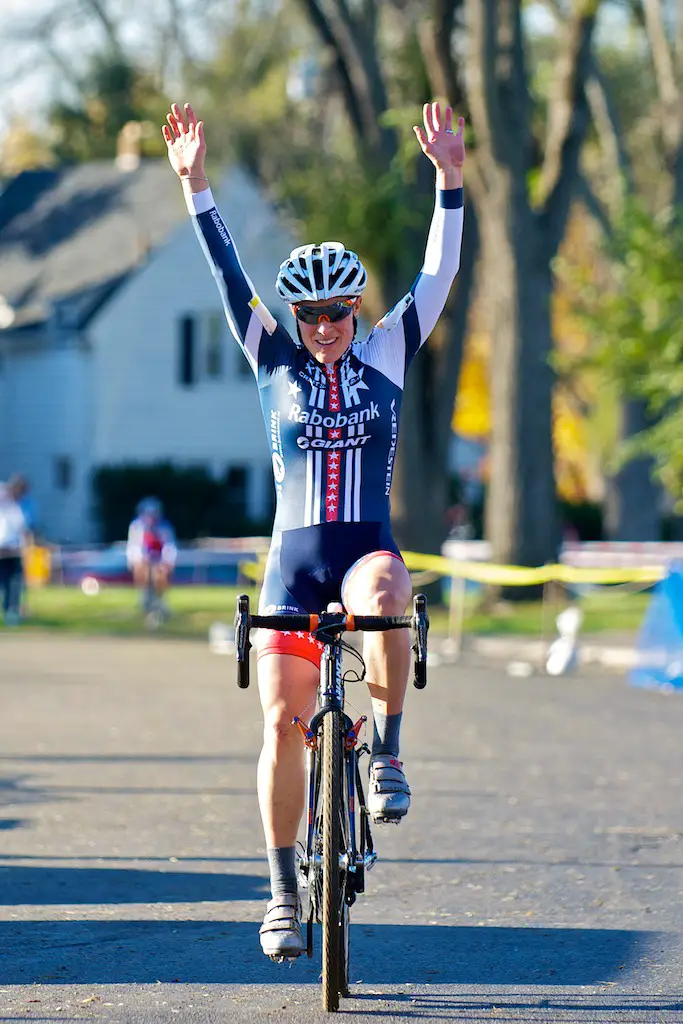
(115, 610)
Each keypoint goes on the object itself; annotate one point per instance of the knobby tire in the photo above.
(333, 967)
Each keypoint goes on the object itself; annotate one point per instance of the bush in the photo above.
(195, 503)
(586, 518)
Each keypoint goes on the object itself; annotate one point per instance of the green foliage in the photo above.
(194, 501)
(635, 318)
(114, 93)
(286, 122)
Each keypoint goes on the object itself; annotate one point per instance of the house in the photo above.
(113, 343)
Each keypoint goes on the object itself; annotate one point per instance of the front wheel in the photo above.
(332, 912)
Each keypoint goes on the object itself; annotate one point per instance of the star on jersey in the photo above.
(294, 388)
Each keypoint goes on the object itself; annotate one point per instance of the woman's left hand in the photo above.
(440, 144)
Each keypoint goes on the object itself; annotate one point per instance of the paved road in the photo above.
(538, 878)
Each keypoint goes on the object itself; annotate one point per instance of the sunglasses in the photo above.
(331, 313)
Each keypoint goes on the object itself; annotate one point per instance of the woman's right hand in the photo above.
(184, 136)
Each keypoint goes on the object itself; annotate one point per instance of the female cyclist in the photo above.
(331, 406)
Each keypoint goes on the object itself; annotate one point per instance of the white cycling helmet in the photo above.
(325, 271)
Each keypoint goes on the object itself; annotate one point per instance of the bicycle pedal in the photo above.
(284, 959)
(389, 820)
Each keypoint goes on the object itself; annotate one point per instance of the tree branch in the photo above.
(357, 60)
(482, 87)
(665, 76)
(498, 86)
(571, 74)
(607, 124)
(435, 35)
(560, 174)
(353, 108)
(99, 9)
(586, 195)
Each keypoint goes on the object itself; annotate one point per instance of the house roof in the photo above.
(71, 235)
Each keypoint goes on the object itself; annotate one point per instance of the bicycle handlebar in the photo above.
(332, 623)
(346, 623)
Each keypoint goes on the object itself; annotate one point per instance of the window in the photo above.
(63, 472)
(214, 324)
(186, 352)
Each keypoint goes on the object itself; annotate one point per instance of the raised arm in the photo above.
(247, 316)
(406, 327)
(446, 150)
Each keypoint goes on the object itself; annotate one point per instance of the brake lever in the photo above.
(242, 642)
(421, 627)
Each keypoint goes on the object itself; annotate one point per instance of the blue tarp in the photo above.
(659, 647)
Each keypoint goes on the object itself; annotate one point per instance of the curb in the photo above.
(618, 657)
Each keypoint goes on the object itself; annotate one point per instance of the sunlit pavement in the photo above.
(539, 876)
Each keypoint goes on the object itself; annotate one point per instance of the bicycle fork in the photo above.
(357, 858)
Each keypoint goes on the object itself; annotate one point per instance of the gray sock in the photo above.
(385, 734)
(282, 864)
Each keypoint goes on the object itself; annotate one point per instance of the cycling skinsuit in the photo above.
(150, 542)
(332, 429)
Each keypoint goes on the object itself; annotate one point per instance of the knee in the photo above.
(277, 726)
(389, 600)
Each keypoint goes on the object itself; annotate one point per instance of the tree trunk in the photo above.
(521, 518)
(634, 499)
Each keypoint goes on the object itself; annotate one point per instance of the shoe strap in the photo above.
(282, 914)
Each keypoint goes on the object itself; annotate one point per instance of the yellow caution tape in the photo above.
(527, 576)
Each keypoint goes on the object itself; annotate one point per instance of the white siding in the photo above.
(143, 413)
(45, 414)
(4, 439)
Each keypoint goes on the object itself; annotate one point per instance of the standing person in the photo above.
(21, 489)
(331, 405)
(151, 555)
(13, 539)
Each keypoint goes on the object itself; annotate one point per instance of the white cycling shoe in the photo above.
(388, 790)
(281, 933)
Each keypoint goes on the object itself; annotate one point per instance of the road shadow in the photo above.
(506, 1008)
(46, 886)
(7, 824)
(17, 790)
(228, 952)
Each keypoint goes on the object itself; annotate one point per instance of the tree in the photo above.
(23, 149)
(521, 231)
(113, 94)
(104, 75)
(639, 176)
(637, 324)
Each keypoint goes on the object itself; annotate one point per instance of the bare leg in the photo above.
(287, 686)
(381, 586)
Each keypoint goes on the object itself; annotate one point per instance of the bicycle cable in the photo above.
(352, 674)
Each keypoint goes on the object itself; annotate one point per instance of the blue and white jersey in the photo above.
(332, 429)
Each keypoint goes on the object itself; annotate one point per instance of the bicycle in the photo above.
(333, 864)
